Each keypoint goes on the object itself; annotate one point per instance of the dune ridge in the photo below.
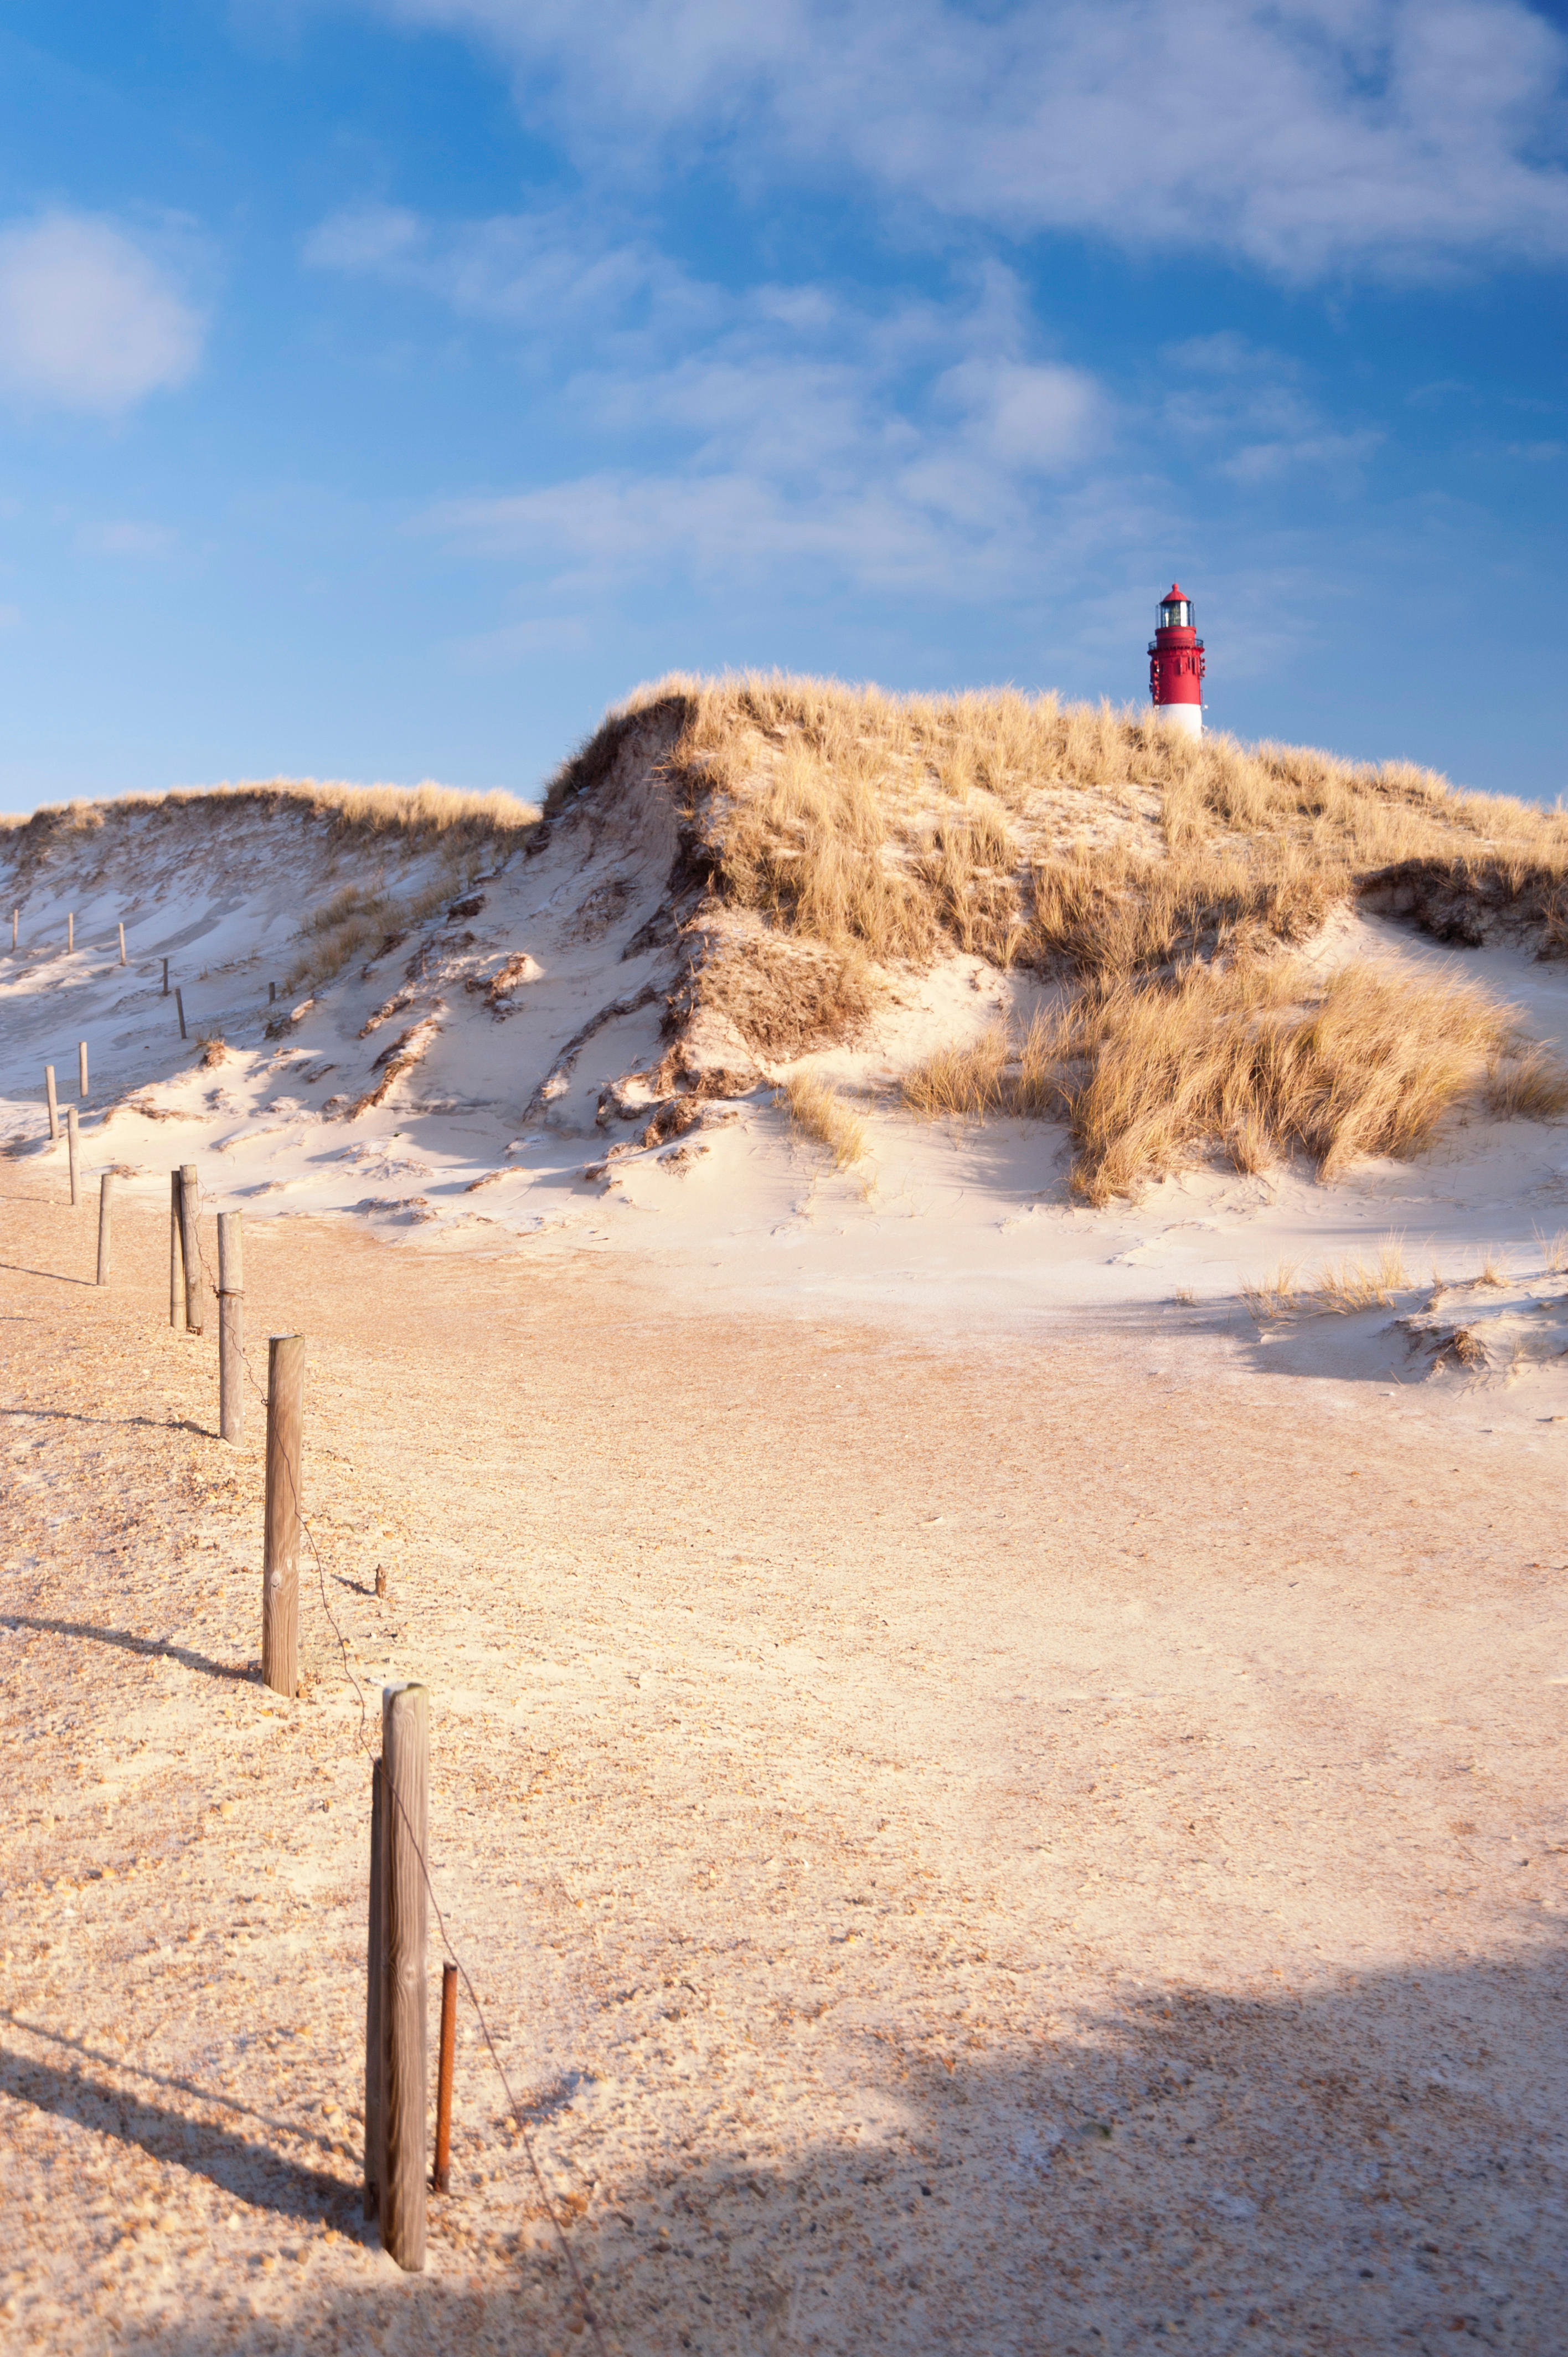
(803, 983)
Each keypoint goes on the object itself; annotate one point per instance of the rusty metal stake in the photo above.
(441, 2176)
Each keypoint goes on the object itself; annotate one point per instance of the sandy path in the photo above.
(997, 1848)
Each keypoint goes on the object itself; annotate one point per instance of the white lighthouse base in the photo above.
(1188, 717)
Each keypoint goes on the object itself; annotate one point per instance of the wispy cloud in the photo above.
(1390, 136)
(519, 642)
(550, 272)
(124, 538)
(1242, 406)
(92, 318)
(909, 439)
(914, 442)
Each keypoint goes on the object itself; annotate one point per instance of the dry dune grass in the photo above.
(1529, 1086)
(1344, 1286)
(1356, 1283)
(1019, 827)
(992, 1075)
(1162, 877)
(1260, 1057)
(357, 918)
(818, 1111)
(422, 813)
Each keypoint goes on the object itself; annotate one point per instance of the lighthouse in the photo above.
(1175, 666)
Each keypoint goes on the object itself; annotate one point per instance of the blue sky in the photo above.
(387, 385)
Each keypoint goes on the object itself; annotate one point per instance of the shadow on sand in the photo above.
(1378, 2166)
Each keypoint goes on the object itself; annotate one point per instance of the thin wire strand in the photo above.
(589, 2316)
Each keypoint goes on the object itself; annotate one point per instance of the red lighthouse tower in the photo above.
(1175, 666)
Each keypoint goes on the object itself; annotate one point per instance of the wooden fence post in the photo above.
(179, 1008)
(49, 1101)
(405, 1766)
(280, 1552)
(105, 1205)
(375, 1991)
(122, 944)
(70, 932)
(165, 977)
(15, 922)
(82, 1068)
(190, 1245)
(175, 1276)
(71, 1147)
(231, 1339)
(441, 2175)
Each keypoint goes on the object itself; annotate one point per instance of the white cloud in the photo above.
(127, 539)
(901, 440)
(517, 642)
(909, 442)
(1337, 455)
(1241, 404)
(1038, 419)
(546, 272)
(1304, 135)
(89, 318)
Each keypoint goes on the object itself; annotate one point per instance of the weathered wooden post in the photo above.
(405, 1766)
(71, 932)
(190, 1245)
(280, 1550)
(105, 1205)
(375, 1991)
(71, 1147)
(15, 923)
(179, 1008)
(165, 977)
(230, 1339)
(271, 993)
(175, 1276)
(121, 943)
(49, 1101)
(81, 1070)
(441, 2175)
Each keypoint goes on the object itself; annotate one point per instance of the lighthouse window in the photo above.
(1175, 614)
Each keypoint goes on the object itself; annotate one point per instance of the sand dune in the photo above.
(520, 1054)
(988, 1750)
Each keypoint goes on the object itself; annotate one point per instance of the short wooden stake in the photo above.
(375, 1991)
(280, 1550)
(71, 1147)
(176, 1273)
(122, 944)
(179, 1009)
(105, 1207)
(190, 1245)
(271, 993)
(405, 1764)
(165, 977)
(71, 932)
(15, 922)
(441, 2175)
(81, 1070)
(49, 1101)
(231, 1339)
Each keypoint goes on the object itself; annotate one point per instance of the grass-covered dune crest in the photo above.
(832, 834)
(423, 812)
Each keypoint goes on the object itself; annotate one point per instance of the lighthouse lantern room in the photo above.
(1175, 666)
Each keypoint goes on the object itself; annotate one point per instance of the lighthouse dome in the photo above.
(1175, 611)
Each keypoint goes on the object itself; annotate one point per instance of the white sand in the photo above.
(487, 1138)
(991, 1809)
